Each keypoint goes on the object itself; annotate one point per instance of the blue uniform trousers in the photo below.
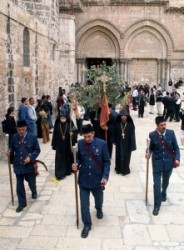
(85, 203)
(32, 128)
(21, 193)
(157, 176)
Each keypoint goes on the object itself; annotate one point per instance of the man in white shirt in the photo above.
(134, 96)
(32, 115)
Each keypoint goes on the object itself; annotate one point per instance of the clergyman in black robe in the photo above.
(64, 132)
(124, 139)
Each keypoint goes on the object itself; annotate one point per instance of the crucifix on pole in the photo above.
(104, 78)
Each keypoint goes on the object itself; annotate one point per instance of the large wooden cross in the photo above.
(104, 79)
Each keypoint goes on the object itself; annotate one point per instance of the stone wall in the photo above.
(67, 49)
(52, 52)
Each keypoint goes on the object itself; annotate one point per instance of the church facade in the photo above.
(45, 44)
(143, 38)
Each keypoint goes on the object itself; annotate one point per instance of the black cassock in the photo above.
(61, 143)
(125, 146)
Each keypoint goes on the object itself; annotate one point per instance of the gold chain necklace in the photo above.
(63, 134)
(123, 130)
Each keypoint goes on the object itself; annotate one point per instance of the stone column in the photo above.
(168, 70)
(79, 66)
(126, 70)
(158, 71)
(163, 72)
(83, 77)
(122, 68)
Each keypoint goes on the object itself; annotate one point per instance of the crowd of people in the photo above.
(161, 102)
(94, 154)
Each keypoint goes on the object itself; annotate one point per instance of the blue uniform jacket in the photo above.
(161, 158)
(24, 115)
(31, 149)
(89, 174)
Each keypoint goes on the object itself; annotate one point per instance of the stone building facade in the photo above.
(45, 44)
(37, 51)
(144, 38)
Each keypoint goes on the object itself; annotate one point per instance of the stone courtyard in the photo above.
(50, 223)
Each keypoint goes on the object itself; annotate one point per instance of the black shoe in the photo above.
(85, 231)
(125, 173)
(20, 208)
(164, 197)
(155, 211)
(34, 195)
(99, 214)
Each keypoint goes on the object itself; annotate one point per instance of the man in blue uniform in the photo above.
(93, 163)
(165, 155)
(26, 149)
(23, 113)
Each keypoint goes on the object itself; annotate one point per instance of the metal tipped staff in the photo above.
(74, 150)
(147, 171)
(10, 174)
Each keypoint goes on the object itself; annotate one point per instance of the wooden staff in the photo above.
(147, 171)
(74, 149)
(10, 174)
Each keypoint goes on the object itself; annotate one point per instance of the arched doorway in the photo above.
(147, 50)
(97, 42)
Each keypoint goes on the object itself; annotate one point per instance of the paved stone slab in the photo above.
(51, 208)
(11, 213)
(26, 223)
(58, 220)
(176, 233)
(4, 221)
(49, 230)
(38, 206)
(158, 233)
(38, 242)
(79, 243)
(14, 232)
(170, 215)
(176, 198)
(111, 244)
(113, 232)
(32, 216)
(9, 244)
(136, 234)
(138, 212)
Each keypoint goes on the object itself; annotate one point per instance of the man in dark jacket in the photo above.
(23, 113)
(93, 163)
(165, 155)
(170, 107)
(26, 149)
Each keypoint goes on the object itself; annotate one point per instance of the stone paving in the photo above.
(50, 223)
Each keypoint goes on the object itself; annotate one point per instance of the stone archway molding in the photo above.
(98, 25)
(163, 34)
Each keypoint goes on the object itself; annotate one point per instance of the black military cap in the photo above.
(21, 124)
(87, 129)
